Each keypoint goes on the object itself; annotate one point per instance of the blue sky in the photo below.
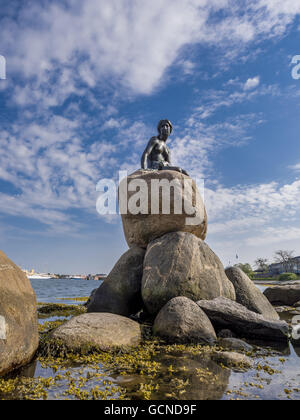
(86, 85)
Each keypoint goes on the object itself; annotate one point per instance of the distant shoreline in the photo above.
(65, 278)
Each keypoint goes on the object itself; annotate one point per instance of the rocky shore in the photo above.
(167, 296)
(230, 368)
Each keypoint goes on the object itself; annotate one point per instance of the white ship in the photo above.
(32, 275)
(38, 276)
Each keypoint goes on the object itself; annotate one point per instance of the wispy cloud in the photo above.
(71, 64)
(75, 47)
(253, 220)
(200, 141)
(215, 99)
(53, 166)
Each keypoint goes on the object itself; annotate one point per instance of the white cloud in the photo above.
(253, 221)
(268, 200)
(54, 166)
(188, 66)
(252, 83)
(271, 236)
(296, 167)
(94, 43)
(83, 48)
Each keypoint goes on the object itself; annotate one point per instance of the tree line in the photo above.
(283, 257)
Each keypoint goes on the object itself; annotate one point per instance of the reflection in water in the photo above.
(194, 377)
(206, 380)
(25, 372)
(295, 346)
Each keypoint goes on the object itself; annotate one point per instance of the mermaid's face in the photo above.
(165, 130)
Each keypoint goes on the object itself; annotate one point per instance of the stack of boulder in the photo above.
(172, 276)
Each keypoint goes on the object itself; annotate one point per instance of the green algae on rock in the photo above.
(47, 310)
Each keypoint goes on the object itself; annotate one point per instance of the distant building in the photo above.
(278, 268)
(99, 277)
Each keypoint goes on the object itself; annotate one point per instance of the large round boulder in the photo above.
(180, 264)
(167, 201)
(182, 321)
(248, 295)
(18, 317)
(97, 331)
(120, 293)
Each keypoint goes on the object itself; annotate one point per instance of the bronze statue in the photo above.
(157, 155)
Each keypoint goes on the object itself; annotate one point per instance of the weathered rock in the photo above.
(141, 229)
(231, 359)
(248, 295)
(182, 321)
(283, 295)
(235, 344)
(120, 293)
(224, 313)
(102, 331)
(297, 304)
(18, 317)
(180, 264)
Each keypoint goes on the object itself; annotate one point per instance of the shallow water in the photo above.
(181, 374)
(54, 291)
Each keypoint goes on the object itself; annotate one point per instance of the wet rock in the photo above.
(141, 229)
(224, 313)
(143, 317)
(90, 299)
(120, 293)
(102, 331)
(180, 264)
(283, 295)
(226, 334)
(235, 344)
(182, 321)
(248, 295)
(18, 317)
(297, 304)
(232, 360)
